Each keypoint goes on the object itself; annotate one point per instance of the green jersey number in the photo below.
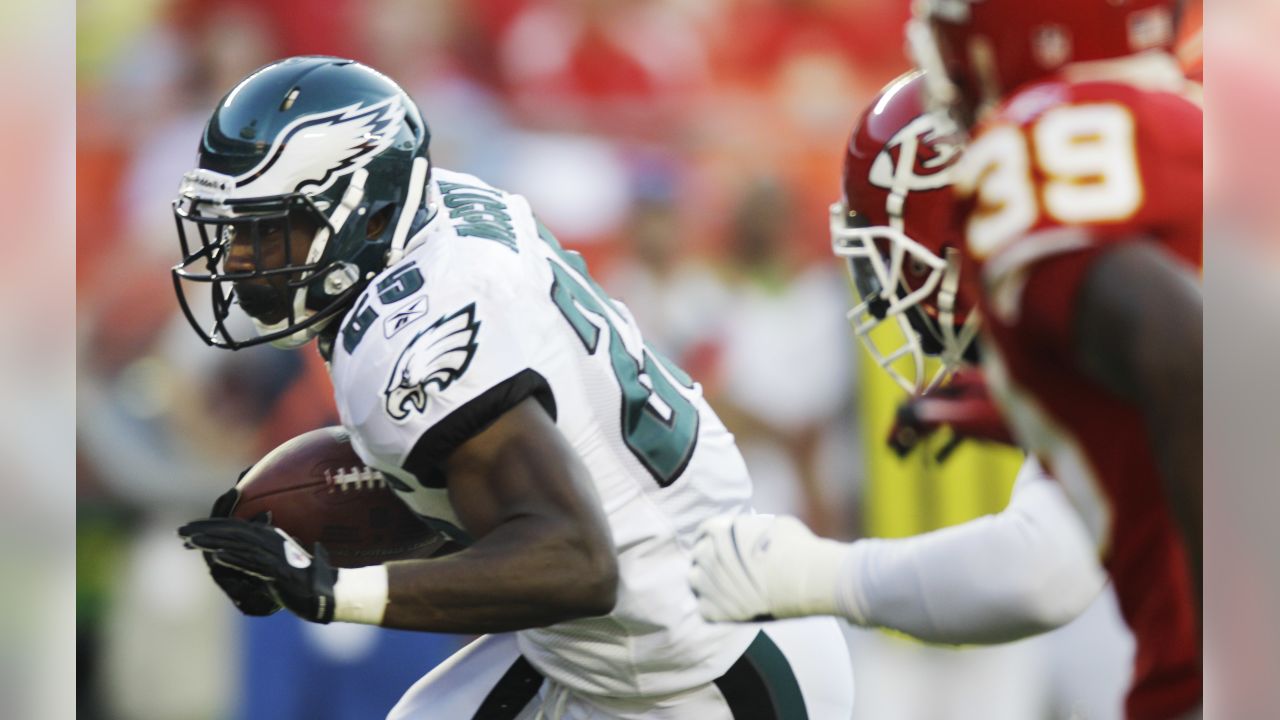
(659, 424)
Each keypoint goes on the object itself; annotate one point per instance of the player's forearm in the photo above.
(1025, 571)
(519, 576)
(1143, 340)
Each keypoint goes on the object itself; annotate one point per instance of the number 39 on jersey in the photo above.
(1074, 165)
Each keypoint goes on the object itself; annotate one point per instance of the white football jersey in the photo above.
(487, 309)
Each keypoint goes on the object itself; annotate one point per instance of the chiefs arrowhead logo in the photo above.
(919, 157)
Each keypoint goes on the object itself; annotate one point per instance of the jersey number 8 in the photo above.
(659, 424)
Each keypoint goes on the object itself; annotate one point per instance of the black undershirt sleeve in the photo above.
(440, 440)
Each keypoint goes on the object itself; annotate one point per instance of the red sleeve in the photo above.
(1047, 308)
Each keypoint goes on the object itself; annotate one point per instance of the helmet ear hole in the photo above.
(379, 221)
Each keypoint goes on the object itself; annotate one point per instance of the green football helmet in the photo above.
(310, 179)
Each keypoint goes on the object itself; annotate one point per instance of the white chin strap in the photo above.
(351, 200)
(954, 344)
(292, 340)
(412, 200)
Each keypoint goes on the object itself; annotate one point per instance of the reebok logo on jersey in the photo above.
(400, 319)
(438, 355)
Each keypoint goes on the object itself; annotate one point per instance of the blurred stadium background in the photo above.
(689, 149)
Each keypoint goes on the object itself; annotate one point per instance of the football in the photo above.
(318, 490)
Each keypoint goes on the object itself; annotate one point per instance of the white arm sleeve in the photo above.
(1027, 570)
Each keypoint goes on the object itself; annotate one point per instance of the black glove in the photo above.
(249, 594)
(300, 581)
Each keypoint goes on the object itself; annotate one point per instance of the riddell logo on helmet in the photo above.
(918, 157)
(206, 184)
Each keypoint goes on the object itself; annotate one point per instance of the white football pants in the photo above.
(794, 670)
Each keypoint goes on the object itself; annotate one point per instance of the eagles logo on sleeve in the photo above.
(438, 356)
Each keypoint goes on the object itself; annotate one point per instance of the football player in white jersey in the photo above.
(508, 401)
(1026, 570)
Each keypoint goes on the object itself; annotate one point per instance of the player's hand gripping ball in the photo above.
(311, 492)
(299, 580)
(315, 488)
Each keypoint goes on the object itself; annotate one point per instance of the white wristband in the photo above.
(360, 595)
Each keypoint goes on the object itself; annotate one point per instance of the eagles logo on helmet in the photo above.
(310, 179)
(894, 228)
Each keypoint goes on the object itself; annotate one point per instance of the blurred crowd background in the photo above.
(688, 148)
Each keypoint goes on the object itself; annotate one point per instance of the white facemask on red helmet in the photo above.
(976, 52)
(894, 228)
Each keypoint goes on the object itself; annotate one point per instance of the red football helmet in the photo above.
(895, 228)
(977, 51)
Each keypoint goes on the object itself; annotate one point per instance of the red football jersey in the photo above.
(1062, 171)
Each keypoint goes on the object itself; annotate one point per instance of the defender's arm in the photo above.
(1139, 333)
(1025, 571)
(1029, 569)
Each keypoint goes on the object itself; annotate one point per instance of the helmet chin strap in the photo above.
(292, 340)
(351, 200)
(953, 344)
(412, 199)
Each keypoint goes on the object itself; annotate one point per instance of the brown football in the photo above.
(317, 489)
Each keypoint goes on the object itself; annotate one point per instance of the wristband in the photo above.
(360, 595)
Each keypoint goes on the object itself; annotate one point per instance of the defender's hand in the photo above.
(964, 404)
(300, 581)
(760, 567)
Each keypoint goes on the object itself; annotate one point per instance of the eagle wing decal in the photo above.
(315, 150)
